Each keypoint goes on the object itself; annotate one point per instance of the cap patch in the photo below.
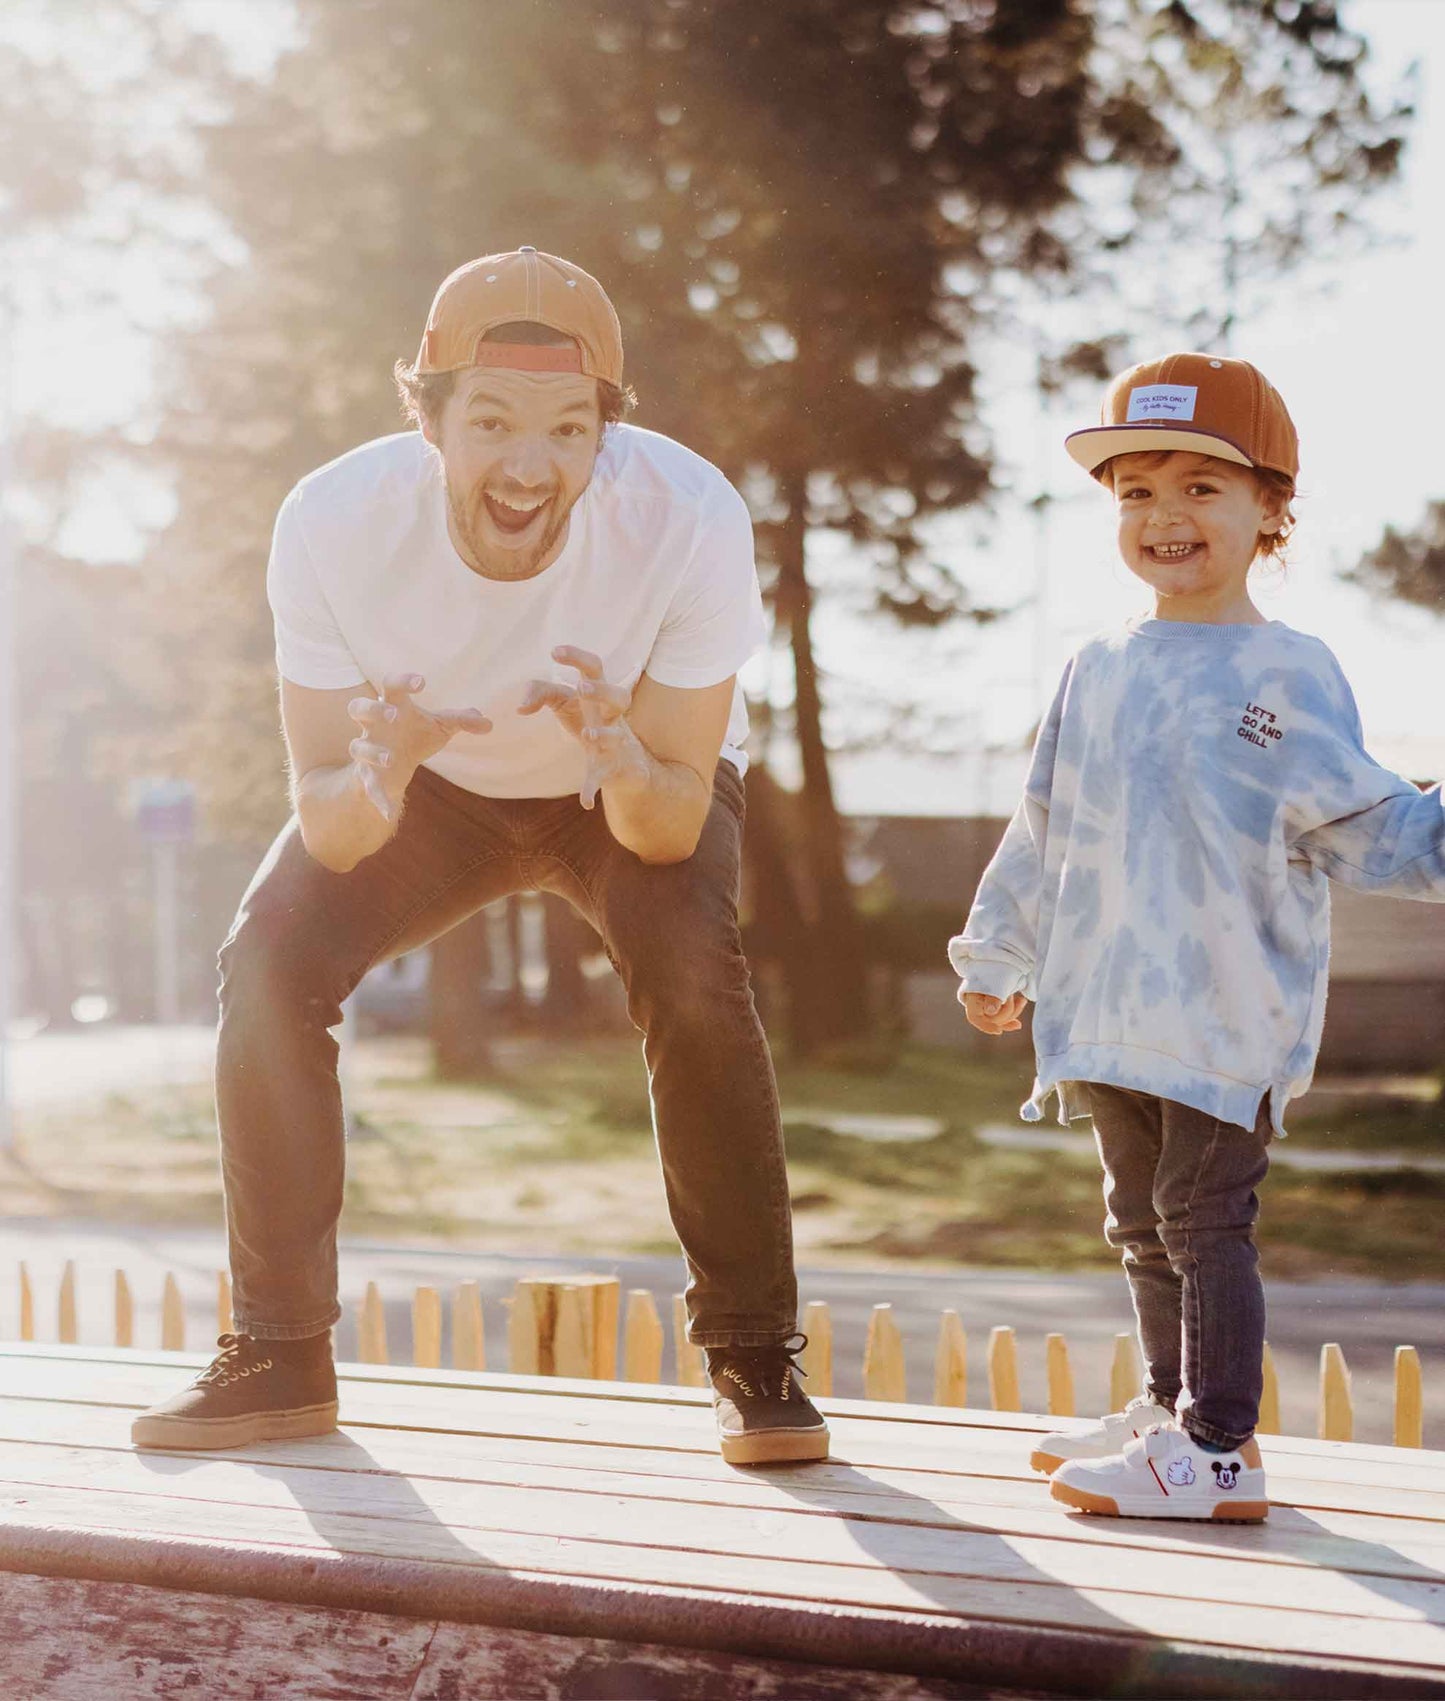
(1161, 401)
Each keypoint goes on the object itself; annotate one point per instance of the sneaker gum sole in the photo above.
(776, 1447)
(195, 1434)
(1105, 1506)
(1045, 1462)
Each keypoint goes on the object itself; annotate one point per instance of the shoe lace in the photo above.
(752, 1369)
(238, 1357)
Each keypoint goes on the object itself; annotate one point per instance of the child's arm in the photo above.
(1363, 825)
(994, 955)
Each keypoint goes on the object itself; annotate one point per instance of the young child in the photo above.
(1161, 895)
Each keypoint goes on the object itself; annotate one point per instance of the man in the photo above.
(592, 587)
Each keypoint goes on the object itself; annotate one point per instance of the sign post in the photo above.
(165, 813)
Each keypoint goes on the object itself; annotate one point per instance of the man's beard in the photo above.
(469, 520)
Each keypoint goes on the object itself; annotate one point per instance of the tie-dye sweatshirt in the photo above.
(1162, 892)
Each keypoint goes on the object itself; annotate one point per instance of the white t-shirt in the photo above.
(656, 576)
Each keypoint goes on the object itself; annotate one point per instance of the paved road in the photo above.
(1366, 1318)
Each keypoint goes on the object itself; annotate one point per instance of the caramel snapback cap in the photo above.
(500, 289)
(1202, 402)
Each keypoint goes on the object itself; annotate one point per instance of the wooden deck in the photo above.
(474, 1523)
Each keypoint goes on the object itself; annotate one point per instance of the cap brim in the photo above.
(1099, 443)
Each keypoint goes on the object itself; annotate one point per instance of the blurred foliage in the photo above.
(810, 213)
(1408, 564)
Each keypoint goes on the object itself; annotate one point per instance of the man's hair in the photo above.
(424, 394)
(1268, 546)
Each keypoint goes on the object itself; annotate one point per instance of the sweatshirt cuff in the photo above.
(993, 980)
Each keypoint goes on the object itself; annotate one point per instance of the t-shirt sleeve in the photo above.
(715, 621)
(310, 649)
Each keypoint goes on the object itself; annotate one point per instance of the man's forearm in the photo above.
(656, 809)
(340, 825)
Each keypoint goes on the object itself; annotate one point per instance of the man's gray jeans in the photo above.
(305, 936)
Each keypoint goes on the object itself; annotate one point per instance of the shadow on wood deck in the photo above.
(475, 1535)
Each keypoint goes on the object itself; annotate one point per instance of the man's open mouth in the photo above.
(511, 515)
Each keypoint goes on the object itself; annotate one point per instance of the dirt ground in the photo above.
(555, 1149)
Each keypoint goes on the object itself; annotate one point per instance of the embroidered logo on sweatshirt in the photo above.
(1259, 726)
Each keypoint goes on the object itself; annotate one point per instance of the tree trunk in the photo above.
(838, 982)
(457, 1016)
(564, 1004)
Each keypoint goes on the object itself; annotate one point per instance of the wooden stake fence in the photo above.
(569, 1326)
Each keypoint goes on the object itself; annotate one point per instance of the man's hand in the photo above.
(992, 1015)
(595, 713)
(397, 735)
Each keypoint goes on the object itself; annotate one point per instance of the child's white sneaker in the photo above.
(1165, 1473)
(1107, 1436)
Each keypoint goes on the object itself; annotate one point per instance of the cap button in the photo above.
(1218, 365)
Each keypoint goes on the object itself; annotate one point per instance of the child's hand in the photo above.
(992, 1015)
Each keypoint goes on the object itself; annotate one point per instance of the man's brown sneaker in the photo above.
(763, 1416)
(251, 1391)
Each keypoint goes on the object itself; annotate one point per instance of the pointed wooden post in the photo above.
(173, 1317)
(69, 1329)
(1337, 1413)
(1269, 1397)
(1060, 1376)
(950, 1362)
(884, 1376)
(1003, 1370)
(469, 1351)
(426, 1329)
(691, 1365)
(572, 1340)
(124, 1312)
(225, 1320)
(642, 1343)
(1126, 1374)
(371, 1328)
(817, 1357)
(529, 1345)
(27, 1305)
(1409, 1400)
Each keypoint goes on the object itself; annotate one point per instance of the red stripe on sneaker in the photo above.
(1157, 1478)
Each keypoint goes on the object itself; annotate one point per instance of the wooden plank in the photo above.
(225, 1321)
(180, 1366)
(572, 1342)
(530, 1409)
(284, 1541)
(990, 1501)
(401, 1506)
(70, 1640)
(1003, 1369)
(1342, 1540)
(27, 1305)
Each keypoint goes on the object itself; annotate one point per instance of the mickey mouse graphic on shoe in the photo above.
(1162, 1474)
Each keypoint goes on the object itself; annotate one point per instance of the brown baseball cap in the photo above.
(525, 285)
(1203, 402)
